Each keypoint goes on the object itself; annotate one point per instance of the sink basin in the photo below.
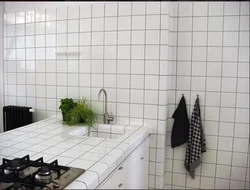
(80, 132)
(103, 131)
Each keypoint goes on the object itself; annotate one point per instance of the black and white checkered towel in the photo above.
(196, 141)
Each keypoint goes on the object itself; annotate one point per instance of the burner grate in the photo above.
(23, 173)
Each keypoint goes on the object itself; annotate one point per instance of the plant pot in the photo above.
(82, 120)
(64, 116)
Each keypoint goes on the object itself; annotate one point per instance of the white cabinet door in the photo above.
(133, 173)
(138, 178)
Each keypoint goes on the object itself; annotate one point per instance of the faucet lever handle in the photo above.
(110, 117)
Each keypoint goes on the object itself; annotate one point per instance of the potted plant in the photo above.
(67, 104)
(80, 113)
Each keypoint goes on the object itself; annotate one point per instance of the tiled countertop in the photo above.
(51, 140)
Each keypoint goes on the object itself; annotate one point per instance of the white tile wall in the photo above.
(123, 48)
(209, 55)
(145, 55)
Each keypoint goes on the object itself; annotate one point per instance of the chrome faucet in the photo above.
(106, 117)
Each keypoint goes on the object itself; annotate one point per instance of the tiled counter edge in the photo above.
(97, 174)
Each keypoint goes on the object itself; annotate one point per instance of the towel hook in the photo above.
(182, 94)
(197, 95)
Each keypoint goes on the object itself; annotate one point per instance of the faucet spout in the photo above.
(106, 117)
(105, 98)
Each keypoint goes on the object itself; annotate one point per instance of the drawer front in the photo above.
(138, 154)
(133, 173)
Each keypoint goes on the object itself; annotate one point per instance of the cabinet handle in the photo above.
(120, 185)
(120, 168)
(142, 158)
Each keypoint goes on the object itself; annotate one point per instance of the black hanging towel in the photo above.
(196, 141)
(181, 125)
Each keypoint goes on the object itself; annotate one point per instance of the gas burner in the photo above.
(44, 171)
(44, 174)
(23, 173)
(14, 165)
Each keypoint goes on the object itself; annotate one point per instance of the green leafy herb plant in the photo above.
(67, 104)
(81, 113)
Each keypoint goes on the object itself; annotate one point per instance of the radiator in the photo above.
(16, 116)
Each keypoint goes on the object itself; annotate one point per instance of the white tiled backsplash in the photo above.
(123, 48)
(145, 54)
(210, 57)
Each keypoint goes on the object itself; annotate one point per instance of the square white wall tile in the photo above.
(240, 145)
(222, 183)
(73, 12)
(214, 38)
(241, 130)
(185, 9)
(200, 9)
(226, 129)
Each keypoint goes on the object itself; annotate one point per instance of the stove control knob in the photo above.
(55, 184)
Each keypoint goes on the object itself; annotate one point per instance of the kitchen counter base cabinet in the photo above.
(133, 172)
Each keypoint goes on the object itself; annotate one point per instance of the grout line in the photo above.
(25, 74)
(137, 59)
(103, 56)
(209, 163)
(158, 107)
(174, 31)
(34, 85)
(197, 76)
(91, 50)
(3, 67)
(190, 110)
(130, 61)
(78, 56)
(111, 45)
(176, 66)
(67, 61)
(247, 168)
(207, 176)
(235, 101)
(16, 63)
(144, 60)
(234, 15)
(45, 67)
(211, 135)
(205, 94)
(56, 62)
(217, 149)
(189, 105)
(143, 90)
(116, 59)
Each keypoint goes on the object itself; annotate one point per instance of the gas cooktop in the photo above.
(23, 173)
